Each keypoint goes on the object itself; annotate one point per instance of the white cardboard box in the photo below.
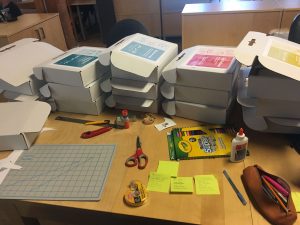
(77, 67)
(279, 87)
(269, 124)
(17, 62)
(141, 57)
(132, 88)
(65, 92)
(197, 95)
(209, 67)
(276, 54)
(278, 108)
(21, 123)
(204, 113)
(132, 103)
(83, 107)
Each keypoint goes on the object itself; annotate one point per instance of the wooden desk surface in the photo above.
(24, 21)
(271, 151)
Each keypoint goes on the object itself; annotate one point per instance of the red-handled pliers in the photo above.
(139, 158)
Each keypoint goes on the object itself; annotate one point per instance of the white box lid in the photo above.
(17, 62)
(203, 58)
(141, 54)
(23, 117)
(277, 54)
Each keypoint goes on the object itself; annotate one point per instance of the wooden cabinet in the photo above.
(227, 22)
(45, 27)
(145, 11)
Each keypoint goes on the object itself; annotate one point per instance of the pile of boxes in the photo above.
(200, 84)
(269, 93)
(137, 62)
(74, 80)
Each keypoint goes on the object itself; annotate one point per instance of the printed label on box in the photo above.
(284, 55)
(89, 52)
(213, 61)
(76, 60)
(143, 51)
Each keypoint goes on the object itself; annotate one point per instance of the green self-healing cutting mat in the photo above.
(59, 172)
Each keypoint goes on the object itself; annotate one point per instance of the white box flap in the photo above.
(285, 121)
(131, 85)
(113, 100)
(141, 54)
(169, 107)
(277, 54)
(106, 86)
(167, 90)
(23, 117)
(17, 62)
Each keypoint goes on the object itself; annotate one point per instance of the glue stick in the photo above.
(239, 147)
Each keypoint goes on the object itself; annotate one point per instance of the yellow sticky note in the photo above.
(296, 200)
(158, 182)
(182, 184)
(168, 167)
(206, 185)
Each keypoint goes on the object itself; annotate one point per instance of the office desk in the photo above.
(272, 152)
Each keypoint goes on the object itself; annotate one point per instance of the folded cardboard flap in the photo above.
(276, 54)
(17, 65)
(113, 100)
(21, 122)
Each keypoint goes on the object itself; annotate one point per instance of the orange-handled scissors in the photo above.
(139, 158)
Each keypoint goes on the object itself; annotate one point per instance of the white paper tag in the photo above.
(166, 124)
(9, 163)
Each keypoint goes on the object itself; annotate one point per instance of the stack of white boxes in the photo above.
(270, 94)
(17, 62)
(74, 80)
(136, 65)
(200, 84)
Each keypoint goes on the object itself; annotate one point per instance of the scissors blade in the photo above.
(138, 143)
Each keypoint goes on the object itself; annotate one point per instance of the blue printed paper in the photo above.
(143, 51)
(76, 60)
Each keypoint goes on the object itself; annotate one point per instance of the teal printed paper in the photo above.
(143, 51)
(76, 60)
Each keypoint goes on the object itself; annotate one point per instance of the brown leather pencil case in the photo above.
(277, 208)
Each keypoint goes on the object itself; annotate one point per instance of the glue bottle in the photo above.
(239, 147)
(125, 118)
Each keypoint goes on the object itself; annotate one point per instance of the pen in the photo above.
(238, 193)
(275, 194)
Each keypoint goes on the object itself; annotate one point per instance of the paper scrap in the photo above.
(206, 185)
(9, 163)
(168, 167)
(166, 124)
(158, 182)
(182, 184)
(296, 200)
